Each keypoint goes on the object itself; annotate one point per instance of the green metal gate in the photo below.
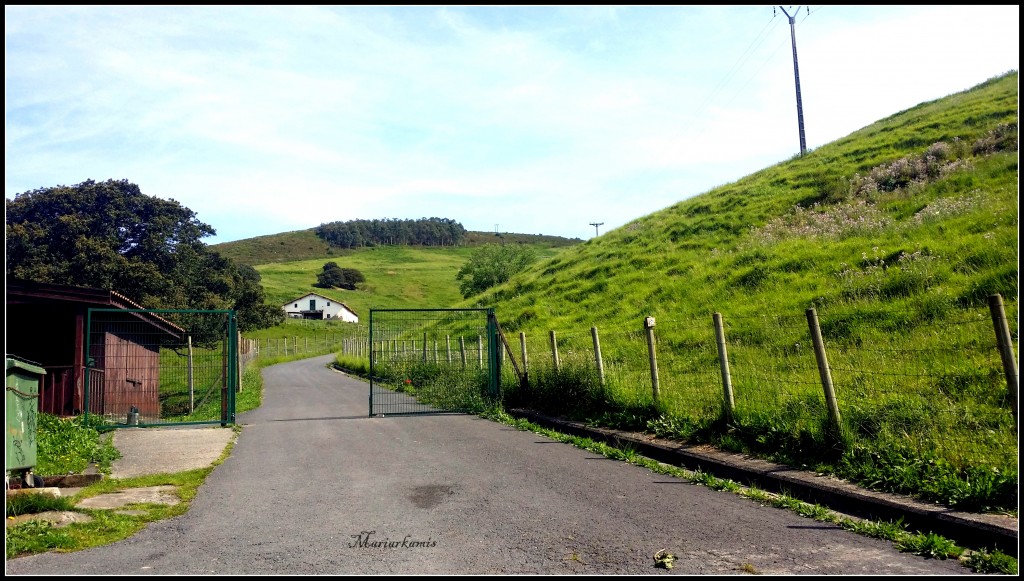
(148, 367)
(432, 360)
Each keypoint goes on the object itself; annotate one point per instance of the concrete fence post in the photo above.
(649, 328)
(597, 356)
(522, 348)
(554, 351)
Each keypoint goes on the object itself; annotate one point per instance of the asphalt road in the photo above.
(314, 486)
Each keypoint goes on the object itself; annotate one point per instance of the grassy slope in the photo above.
(286, 246)
(305, 245)
(691, 258)
(899, 279)
(396, 277)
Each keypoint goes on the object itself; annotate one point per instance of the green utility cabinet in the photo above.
(23, 379)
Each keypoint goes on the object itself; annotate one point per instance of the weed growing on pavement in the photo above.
(995, 562)
(33, 503)
(36, 537)
(929, 545)
(69, 445)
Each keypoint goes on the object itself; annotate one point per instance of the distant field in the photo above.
(305, 244)
(397, 277)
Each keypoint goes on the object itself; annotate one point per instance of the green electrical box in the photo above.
(23, 379)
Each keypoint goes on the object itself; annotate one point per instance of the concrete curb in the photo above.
(59, 481)
(72, 480)
(967, 529)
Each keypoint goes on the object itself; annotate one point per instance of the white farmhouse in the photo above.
(314, 306)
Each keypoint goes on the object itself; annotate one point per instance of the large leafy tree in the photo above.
(334, 276)
(493, 264)
(110, 235)
(331, 276)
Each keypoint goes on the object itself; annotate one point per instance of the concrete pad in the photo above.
(153, 494)
(58, 518)
(167, 450)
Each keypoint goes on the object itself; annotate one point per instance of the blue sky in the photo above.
(537, 120)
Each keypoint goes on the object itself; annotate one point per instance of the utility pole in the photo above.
(796, 75)
(595, 225)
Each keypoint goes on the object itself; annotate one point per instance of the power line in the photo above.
(744, 58)
(760, 38)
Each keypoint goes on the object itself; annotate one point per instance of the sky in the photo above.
(534, 120)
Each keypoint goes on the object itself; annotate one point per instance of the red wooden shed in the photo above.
(45, 323)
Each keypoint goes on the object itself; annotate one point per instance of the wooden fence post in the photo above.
(597, 356)
(424, 347)
(823, 369)
(554, 351)
(462, 350)
(728, 403)
(649, 327)
(1005, 343)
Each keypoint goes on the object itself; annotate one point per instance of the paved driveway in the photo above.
(313, 486)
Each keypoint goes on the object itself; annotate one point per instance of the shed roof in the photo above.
(27, 292)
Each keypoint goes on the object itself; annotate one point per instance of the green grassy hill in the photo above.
(397, 277)
(895, 235)
(800, 234)
(306, 245)
(283, 247)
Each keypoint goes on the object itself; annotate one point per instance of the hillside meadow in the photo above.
(896, 236)
(397, 277)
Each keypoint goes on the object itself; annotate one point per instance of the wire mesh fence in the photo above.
(154, 367)
(431, 360)
(934, 390)
(922, 388)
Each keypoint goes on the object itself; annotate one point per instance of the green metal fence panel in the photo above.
(151, 367)
(432, 361)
